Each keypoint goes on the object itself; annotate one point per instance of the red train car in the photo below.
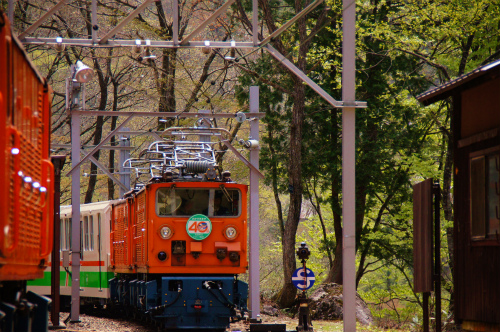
(26, 173)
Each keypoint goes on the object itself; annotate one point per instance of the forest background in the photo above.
(403, 48)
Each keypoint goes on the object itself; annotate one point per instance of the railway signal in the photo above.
(303, 278)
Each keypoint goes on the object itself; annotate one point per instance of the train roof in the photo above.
(89, 207)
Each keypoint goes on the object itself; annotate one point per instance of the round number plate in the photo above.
(199, 227)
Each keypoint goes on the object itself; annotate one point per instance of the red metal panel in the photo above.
(422, 236)
(26, 223)
(140, 230)
(119, 238)
(206, 261)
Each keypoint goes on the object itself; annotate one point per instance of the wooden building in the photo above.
(476, 147)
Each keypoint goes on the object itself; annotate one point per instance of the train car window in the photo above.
(193, 201)
(67, 234)
(83, 230)
(187, 202)
(484, 195)
(63, 239)
(65, 226)
(86, 233)
(99, 231)
(64, 234)
(91, 232)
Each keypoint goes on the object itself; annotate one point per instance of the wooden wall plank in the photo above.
(422, 236)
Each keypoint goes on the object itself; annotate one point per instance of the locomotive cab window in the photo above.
(485, 194)
(226, 203)
(187, 202)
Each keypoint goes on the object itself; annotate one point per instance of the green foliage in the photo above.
(391, 301)
(402, 48)
(308, 232)
(276, 105)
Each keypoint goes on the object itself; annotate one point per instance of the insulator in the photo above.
(197, 166)
(226, 176)
(251, 143)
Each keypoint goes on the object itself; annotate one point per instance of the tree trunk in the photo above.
(448, 204)
(274, 174)
(103, 85)
(289, 291)
(93, 168)
(111, 184)
(448, 177)
(166, 87)
(335, 273)
(165, 80)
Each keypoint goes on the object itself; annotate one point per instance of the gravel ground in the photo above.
(103, 324)
(90, 323)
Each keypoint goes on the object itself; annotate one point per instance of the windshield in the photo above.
(189, 201)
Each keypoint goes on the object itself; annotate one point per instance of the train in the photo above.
(171, 250)
(26, 186)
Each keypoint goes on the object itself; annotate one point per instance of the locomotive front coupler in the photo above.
(198, 305)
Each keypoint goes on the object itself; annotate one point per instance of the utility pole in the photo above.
(349, 164)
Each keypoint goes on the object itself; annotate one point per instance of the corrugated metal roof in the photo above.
(438, 93)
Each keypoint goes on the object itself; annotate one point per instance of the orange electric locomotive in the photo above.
(179, 242)
(181, 227)
(26, 188)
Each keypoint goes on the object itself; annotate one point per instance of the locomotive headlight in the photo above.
(166, 232)
(162, 256)
(230, 232)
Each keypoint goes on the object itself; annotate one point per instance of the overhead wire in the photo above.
(205, 91)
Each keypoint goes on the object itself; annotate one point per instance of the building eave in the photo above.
(445, 90)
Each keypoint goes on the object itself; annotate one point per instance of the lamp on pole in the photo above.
(75, 100)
